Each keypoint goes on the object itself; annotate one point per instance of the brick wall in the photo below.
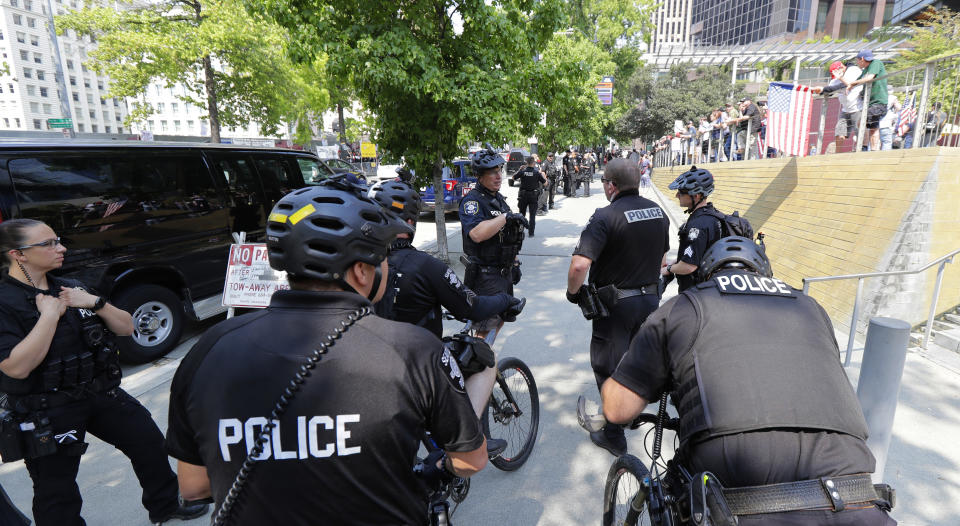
(848, 214)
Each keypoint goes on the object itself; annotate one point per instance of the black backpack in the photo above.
(733, 224)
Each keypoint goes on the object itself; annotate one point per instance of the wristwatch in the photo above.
(101, 301)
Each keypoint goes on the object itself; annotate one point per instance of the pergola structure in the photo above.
(749, 56)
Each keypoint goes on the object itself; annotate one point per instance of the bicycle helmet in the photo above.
(399, 198)
(694, 181)
(405, 174)
(482, 160)
(738, 252)
(320, 231)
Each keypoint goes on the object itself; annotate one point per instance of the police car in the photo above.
(458, 180)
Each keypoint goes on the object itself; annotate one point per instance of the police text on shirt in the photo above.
(308, 437)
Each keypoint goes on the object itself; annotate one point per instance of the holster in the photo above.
(590, 303)
(708, 507)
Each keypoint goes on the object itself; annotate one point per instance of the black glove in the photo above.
(515, 217)
(575, 298)
(433, 476)
(516, 273)
(516, 305)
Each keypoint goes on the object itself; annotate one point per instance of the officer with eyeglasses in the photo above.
(60, 372)
(623, 247)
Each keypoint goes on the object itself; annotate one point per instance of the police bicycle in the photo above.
(512, 413)
(659, 496)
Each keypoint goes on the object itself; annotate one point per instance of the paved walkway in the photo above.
(562, 483)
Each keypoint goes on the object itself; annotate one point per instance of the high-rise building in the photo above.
(672, 25)
(46, 78)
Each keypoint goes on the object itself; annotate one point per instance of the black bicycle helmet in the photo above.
(735, 251)
(399, 198)
(320, 231)
(694, 181)
(405, 174)
(485, 159)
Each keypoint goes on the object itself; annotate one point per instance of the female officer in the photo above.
(60, 372)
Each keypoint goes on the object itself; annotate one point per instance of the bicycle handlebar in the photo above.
(594, 423)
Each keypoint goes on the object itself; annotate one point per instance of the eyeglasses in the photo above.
(50, 243)
(605, 180)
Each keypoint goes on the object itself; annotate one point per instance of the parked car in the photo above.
(340, 166)
(516, 160)
(458, 180)
(149, 225)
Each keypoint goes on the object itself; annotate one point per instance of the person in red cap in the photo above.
(851, 102)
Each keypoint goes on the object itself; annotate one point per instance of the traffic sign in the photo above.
(60, 123)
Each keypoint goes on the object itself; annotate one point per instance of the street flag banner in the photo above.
(908, 114)
(789, 119)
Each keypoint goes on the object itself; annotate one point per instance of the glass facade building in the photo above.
(725, 23)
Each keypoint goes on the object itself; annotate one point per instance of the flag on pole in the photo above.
(908, 114)
(789, 119)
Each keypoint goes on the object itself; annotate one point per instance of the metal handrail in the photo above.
(942, 261)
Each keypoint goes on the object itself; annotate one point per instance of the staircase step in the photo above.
(952, 318)
(943, 326)
(948, 339)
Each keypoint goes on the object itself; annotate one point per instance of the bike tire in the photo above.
(624, 481)
(520, 432)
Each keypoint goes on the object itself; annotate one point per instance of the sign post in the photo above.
(250, 282)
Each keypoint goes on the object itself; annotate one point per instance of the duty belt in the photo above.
(827, 493)
(644, 290)
(50, 400)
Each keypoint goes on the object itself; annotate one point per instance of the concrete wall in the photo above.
(848, 214)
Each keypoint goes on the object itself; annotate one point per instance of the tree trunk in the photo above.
(438, 211)
(210, 85)
(343, 125)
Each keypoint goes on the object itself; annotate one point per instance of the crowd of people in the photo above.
(738, 131)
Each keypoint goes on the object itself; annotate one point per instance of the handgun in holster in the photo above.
(591, 304)
(708, 507)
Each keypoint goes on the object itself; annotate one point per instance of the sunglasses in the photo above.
(50, 243)
(605, 180)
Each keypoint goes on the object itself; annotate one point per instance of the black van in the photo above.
(149, 224)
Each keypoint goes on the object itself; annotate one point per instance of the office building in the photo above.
(671, 25)
(46, 78)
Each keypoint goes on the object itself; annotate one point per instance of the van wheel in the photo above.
(157, 322)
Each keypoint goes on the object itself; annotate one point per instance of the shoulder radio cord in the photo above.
(223, 514)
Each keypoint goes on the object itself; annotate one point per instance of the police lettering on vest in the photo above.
(753, 284)
(318, 437)
(643, 214)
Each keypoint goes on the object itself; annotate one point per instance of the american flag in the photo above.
(113, 207)
(908, 114)
(789, 118)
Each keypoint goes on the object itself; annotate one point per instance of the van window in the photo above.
(313, 172)
(276, 176)
(69, 192)
(246, 203)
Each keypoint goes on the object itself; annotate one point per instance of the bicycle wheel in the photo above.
(625, 481)
(513, 413)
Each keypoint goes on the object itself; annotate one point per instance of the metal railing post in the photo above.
(823, 124)
(929, 70)
(853, 323)
(936, 298)
(862, 125)
(709, 147)
(746, 145)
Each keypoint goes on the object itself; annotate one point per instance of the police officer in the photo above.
(60, 371)
(552, 176)
(571, 174)
(755, 373)
(418, 285)
(701, 230)
(360, 390)
(492, 237)
(532, 182)
(624, 245)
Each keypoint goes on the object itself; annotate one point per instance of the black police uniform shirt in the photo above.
(531, 179)
(697, 235)
(479, 205)
(649, 368)
(344, 450)
(626, 241)
(19, 314)
(422, 284)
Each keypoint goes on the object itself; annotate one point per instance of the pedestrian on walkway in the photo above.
(851, 102)
(877, 107)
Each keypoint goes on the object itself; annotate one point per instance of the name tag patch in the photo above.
(643, 214)
(753, 284)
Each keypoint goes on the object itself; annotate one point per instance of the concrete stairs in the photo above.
(946, 331)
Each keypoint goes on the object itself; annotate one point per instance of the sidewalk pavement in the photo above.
(562, 482)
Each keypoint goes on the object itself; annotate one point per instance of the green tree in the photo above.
(934, 37)
(573, 114)
(684, 94)
(232, 63)
(434, 72)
